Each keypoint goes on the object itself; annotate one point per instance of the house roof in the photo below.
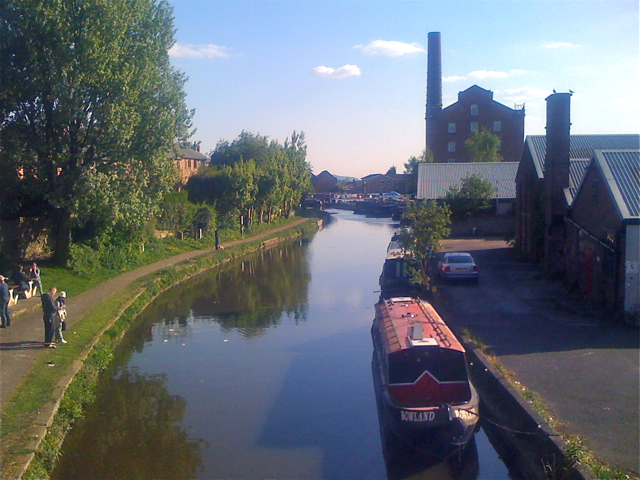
(580, 147)
(191, 154)
(621, 171)
(434, 179)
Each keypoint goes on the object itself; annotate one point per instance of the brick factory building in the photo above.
(449, 128)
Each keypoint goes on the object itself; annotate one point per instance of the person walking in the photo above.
(5, 316)
(49, 311)
(34, 276)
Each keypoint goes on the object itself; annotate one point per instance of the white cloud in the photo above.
(390, 48)
(198, 51)
(453, 78)
(517, 72)
(560, 45)
(484, 74)
(342, 72)
(525, 94)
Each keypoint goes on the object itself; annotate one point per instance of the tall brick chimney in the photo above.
(556, 174)
(434, 86)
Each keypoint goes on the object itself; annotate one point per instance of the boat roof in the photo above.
(408, 322)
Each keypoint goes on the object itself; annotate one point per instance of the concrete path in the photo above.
(580, 362)
(22, 343)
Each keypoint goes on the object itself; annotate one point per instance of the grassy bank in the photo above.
(75, 369)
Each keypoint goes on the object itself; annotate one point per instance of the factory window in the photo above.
(474, 126)
(452, 160)
(452, 128)
(452, 147)
(497, 126)
(474, 109)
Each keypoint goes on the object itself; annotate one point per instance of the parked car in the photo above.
(458, 265)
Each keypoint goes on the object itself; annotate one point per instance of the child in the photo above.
(61, 323)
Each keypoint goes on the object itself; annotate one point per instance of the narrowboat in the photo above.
(421, 377)
(395, 279)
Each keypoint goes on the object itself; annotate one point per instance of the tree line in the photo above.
(91, 115)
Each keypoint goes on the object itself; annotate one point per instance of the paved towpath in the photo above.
(21, 343)
(583, 364)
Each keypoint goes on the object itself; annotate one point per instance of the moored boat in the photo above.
(420, 373)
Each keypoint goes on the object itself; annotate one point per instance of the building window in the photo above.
(474, 126)
(451, 147)
(499, 145)
(452, 160)
(452, 128)
(497, 126)
(474, 109)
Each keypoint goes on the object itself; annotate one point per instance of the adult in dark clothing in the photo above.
(5, 316)
(20, 279)
(49, 311)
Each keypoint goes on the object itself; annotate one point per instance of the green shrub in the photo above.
(84, 260)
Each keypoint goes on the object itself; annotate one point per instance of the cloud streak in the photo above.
(338, 73)
(198, 51)
(390, 48)
(556, 45)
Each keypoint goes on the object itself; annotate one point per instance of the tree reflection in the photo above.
(134, 430)
(249, 295)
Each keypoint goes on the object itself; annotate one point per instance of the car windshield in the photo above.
(459, 259)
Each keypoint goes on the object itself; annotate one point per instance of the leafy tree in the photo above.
(90, 111)
(474, 193)
(483, 146)
(428, 226)
(392, 170)
(411, 169)
(254, 179)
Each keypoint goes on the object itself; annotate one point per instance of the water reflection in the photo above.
(134, 431)
(249, 296)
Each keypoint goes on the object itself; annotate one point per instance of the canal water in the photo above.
(258, 370)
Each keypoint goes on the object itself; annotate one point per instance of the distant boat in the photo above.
(395, 279)
(420, 373)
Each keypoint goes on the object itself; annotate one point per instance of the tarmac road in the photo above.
(584, 366)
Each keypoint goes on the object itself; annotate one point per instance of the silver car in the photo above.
(458, 265)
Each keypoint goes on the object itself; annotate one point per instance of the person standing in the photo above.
(34, 276)
(49, 311)
(4, 303)
(60, 318)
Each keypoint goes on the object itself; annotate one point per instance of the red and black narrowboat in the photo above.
(421, 377)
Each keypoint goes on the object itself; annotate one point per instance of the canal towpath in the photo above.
(21, 344)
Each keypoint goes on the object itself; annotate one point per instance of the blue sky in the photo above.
(352, 74)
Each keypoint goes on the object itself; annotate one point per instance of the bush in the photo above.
(84, 260)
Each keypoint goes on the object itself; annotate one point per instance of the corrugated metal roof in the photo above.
(434, 179)
(577, 168)
(621, 170)
(580, 146)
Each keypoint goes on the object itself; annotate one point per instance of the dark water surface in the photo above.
(258, 370)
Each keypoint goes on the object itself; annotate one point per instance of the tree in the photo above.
(428, 226)
(411, 169)
(483, 146)
(392, 170)
(474, 193)
(91, 111)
